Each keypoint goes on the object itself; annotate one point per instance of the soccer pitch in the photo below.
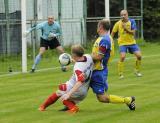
(21, 95)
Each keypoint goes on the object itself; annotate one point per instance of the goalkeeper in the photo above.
(50, 31)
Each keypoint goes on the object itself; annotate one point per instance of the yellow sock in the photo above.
(137, 65)
(119, 99)
(120, 67)
(127, 100)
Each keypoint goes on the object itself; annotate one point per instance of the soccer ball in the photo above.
(65, 59)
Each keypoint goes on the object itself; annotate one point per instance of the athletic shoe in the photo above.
(138, 74)
(64, 68)
(41, 108)
(64, 109)
(121, 76)
(74, 110)
(132, 105)
(32, 71)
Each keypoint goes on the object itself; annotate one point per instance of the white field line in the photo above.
(128, 58)
(55, 68)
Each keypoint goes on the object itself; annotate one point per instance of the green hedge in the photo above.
(151, 13)
(152, 19)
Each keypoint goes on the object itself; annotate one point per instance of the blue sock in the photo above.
(37, 60)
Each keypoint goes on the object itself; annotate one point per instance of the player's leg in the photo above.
(38, 58)
(99, 86)
(54, 44)
(50, 100)
(75, 98)
(137, 53)
(72, 108)
(113, 99)
(123, 50)
(53, 97)
(60, 49)
(43, 48)
(105, 98)
(138, 63)
(129, 101)
(70, 104)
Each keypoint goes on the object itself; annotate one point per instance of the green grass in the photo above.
(21, 95)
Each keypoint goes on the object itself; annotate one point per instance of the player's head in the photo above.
(77, 52)
(103, 26)
(50, 20)
(124, 15)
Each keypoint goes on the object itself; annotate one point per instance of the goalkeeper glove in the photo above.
(51, 36)
(26, 33)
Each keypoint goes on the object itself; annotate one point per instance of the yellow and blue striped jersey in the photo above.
(103, 45)
(123, 37)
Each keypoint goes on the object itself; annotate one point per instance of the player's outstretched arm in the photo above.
(25, 34)
(74, 89)
(38, 26)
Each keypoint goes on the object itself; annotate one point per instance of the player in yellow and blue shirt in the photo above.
(101, 46)
(101, 54)
(126, 28)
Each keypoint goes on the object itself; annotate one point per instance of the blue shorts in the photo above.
(99, 81)
(129, 48)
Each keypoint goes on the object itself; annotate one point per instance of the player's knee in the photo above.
(63, 87)
(103, 98)
(122, 58)
(42, 51)
(139, 57)
(60, 49)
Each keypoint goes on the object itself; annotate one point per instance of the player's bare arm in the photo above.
(113, 34)
(132, 32)
(74, 89)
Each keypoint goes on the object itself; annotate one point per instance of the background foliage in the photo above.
(151, 13)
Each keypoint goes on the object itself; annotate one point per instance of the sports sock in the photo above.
(119, 99)
(37, 60)
(120, 67)
(69, 104)
(50, 100)
(137, 65)
(127, 100)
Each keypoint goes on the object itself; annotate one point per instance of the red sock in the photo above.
(50, 100)
(69, 104)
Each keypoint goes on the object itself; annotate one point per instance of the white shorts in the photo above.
(77, 96)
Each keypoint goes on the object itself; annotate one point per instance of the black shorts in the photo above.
(52, 44)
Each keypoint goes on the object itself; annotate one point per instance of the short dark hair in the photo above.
(78, 50)
(105, 23)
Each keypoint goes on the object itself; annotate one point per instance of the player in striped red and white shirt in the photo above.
(74, 90)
